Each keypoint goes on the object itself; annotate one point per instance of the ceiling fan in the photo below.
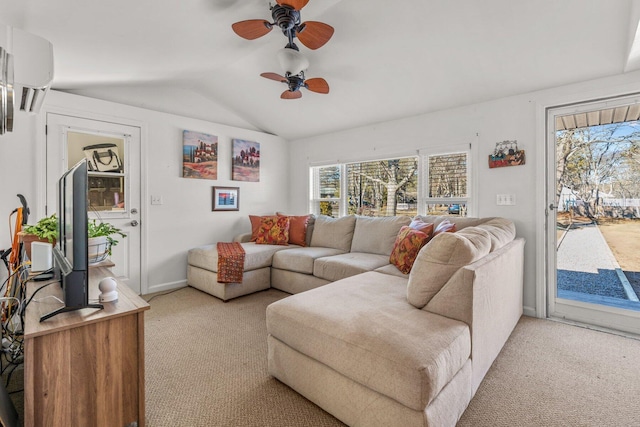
(296, 82)
(286, 15)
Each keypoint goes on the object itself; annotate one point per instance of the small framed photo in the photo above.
(226, 198)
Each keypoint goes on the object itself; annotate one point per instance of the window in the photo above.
(325, 194)
(447, 178)
(383, 187)
(434, 183)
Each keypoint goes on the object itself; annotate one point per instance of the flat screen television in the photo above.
(70, 255)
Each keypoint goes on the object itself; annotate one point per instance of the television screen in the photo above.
(71, 256)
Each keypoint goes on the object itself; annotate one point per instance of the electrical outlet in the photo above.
(156, 200)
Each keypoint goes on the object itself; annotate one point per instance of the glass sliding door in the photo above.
(593, 214)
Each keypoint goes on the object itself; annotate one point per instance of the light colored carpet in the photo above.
(206, 366)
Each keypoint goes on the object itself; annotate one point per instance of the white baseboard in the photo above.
(529, 311)
(162, 287)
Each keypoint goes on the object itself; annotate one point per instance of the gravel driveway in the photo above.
(586, 264)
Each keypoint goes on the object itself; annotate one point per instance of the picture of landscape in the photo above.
(200, 155)
(246, 161)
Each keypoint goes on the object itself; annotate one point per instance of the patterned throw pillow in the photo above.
(274, 230)
(297, 229)
(405, 250)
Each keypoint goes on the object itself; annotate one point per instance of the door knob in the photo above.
(134, 211)
(134, 223)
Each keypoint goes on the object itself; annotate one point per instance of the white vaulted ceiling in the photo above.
(386, 60)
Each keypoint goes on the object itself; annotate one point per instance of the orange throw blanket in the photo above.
(230, 262)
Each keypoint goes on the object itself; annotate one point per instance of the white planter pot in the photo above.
(98, 249)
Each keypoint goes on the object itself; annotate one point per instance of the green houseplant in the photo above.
(46, 229)
(104, 231)
(101, 236)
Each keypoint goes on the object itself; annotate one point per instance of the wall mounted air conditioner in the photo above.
(26, 73)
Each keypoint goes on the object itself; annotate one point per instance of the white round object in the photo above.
(107, 287)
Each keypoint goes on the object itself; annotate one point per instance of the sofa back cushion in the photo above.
(377, 235)
(460, 222)
(501, 231)
(441, 258)
(335, 233)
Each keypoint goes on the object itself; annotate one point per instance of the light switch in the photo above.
(505, 199)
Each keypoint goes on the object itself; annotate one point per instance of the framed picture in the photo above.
(246, 161)
(226, 199)
(199, 155)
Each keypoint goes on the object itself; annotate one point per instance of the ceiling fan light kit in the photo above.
(312, 34)
(292, 61)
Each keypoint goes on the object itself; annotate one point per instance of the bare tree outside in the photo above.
(378, 188)
(598, 162)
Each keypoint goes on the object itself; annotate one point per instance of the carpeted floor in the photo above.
(206, 366)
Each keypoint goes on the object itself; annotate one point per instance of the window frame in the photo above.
(423, 155)
(469, 201)
(314, 189)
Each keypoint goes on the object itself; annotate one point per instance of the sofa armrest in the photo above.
(486, 295)
(242, 238)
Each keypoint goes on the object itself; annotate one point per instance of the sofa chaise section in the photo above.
(202, 270)
(381, 349)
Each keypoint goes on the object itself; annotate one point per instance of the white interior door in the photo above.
(114, 196)
(593, 183)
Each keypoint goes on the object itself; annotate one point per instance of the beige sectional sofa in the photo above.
(375, 347)
(338, 248)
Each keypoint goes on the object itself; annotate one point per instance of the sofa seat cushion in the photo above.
(392, 270)
(364, 328)
(338, 267)
(301, 260)
(256, 256)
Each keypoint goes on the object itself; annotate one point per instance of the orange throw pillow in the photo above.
(405, 250)
(420, 225)
(297, 229)
(274, 230)
(255, 226)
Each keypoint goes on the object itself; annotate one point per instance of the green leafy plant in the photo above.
(46, 228)
(99, 229)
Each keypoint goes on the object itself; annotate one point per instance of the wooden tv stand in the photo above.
(85, 367)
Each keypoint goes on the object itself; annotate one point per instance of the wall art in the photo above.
(246, 161)
(199, 155)
(506, 153)
(226, 199)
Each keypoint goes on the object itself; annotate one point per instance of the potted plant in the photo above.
(101, 240)
(100, 236)
(45, 230)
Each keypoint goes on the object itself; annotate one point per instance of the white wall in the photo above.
(17, 160)
(518, 117)
(185, 219)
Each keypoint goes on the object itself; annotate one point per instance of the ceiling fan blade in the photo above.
(318, 85)
(274, 76)
(296, 4)
(252, 29)
(314, 34)
(287, 94)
